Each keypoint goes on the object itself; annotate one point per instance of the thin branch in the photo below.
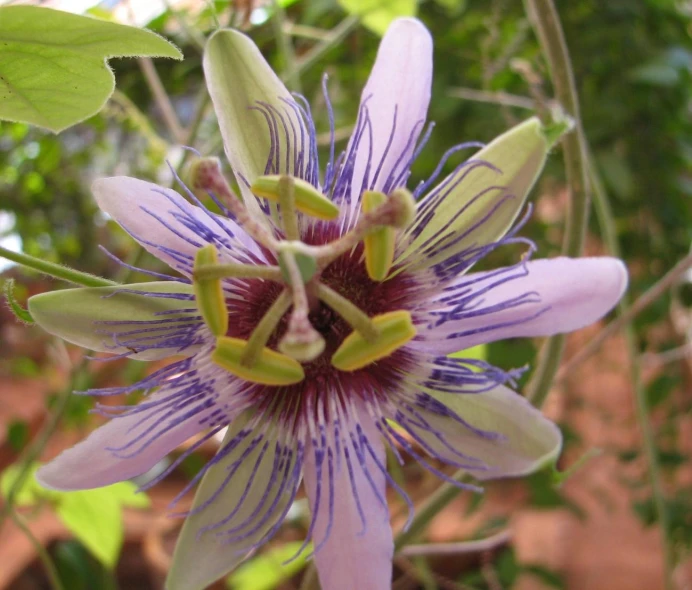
(546, 21)
(460, 548)
(161, 97)
(644, 301)
(501, 98)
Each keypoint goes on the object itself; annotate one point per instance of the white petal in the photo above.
(165, 223)
(133, 443)
(400, 81)
(242, 498)
(353, 539)
(551, 297)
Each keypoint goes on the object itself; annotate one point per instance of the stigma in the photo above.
(298, 274)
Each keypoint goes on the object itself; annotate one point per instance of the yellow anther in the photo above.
(379, 243)
(307, 198)
(269, 368)
(209, 293)
(395, 329)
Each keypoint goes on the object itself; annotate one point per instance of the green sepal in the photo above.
(74, 314)
(21, 314)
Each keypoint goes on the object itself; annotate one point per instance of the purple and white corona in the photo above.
(314, 317)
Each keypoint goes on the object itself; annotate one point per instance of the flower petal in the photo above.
(345, 484)
(133, 442)
(241, 501)
(396, 97)
(128, 320)
(166, 225)
(240, 81)
(540, 298)
(493, 434)
(478, 203)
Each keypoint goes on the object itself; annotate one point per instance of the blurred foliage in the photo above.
(633, 67)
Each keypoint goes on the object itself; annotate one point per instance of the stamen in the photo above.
(209, 294)
(264, 329)
(308, 199)
(395, 329)
(356, 318)
(301, 342)
(205, 272)
(287, 200)
(379, 243)
(205, 173)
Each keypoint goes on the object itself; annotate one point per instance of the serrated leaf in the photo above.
(377, 15)
(94, 517)
(53, 70)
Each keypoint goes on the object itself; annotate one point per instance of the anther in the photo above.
(395, 329)
(308, 199)
(268, 368)
(378, 243)
(209, 293)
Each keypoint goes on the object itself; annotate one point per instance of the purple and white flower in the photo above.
(323, 382)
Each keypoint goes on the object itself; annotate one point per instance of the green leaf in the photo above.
(95, 518)
(267, 571)
(53, 70)
(377, 15)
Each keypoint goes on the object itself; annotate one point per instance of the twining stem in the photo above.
(161, 98)
(625, 317)
(607, 224)
(55, 270)
(546, 21)
(43, 555)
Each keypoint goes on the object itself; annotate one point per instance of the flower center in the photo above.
(336, 314)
